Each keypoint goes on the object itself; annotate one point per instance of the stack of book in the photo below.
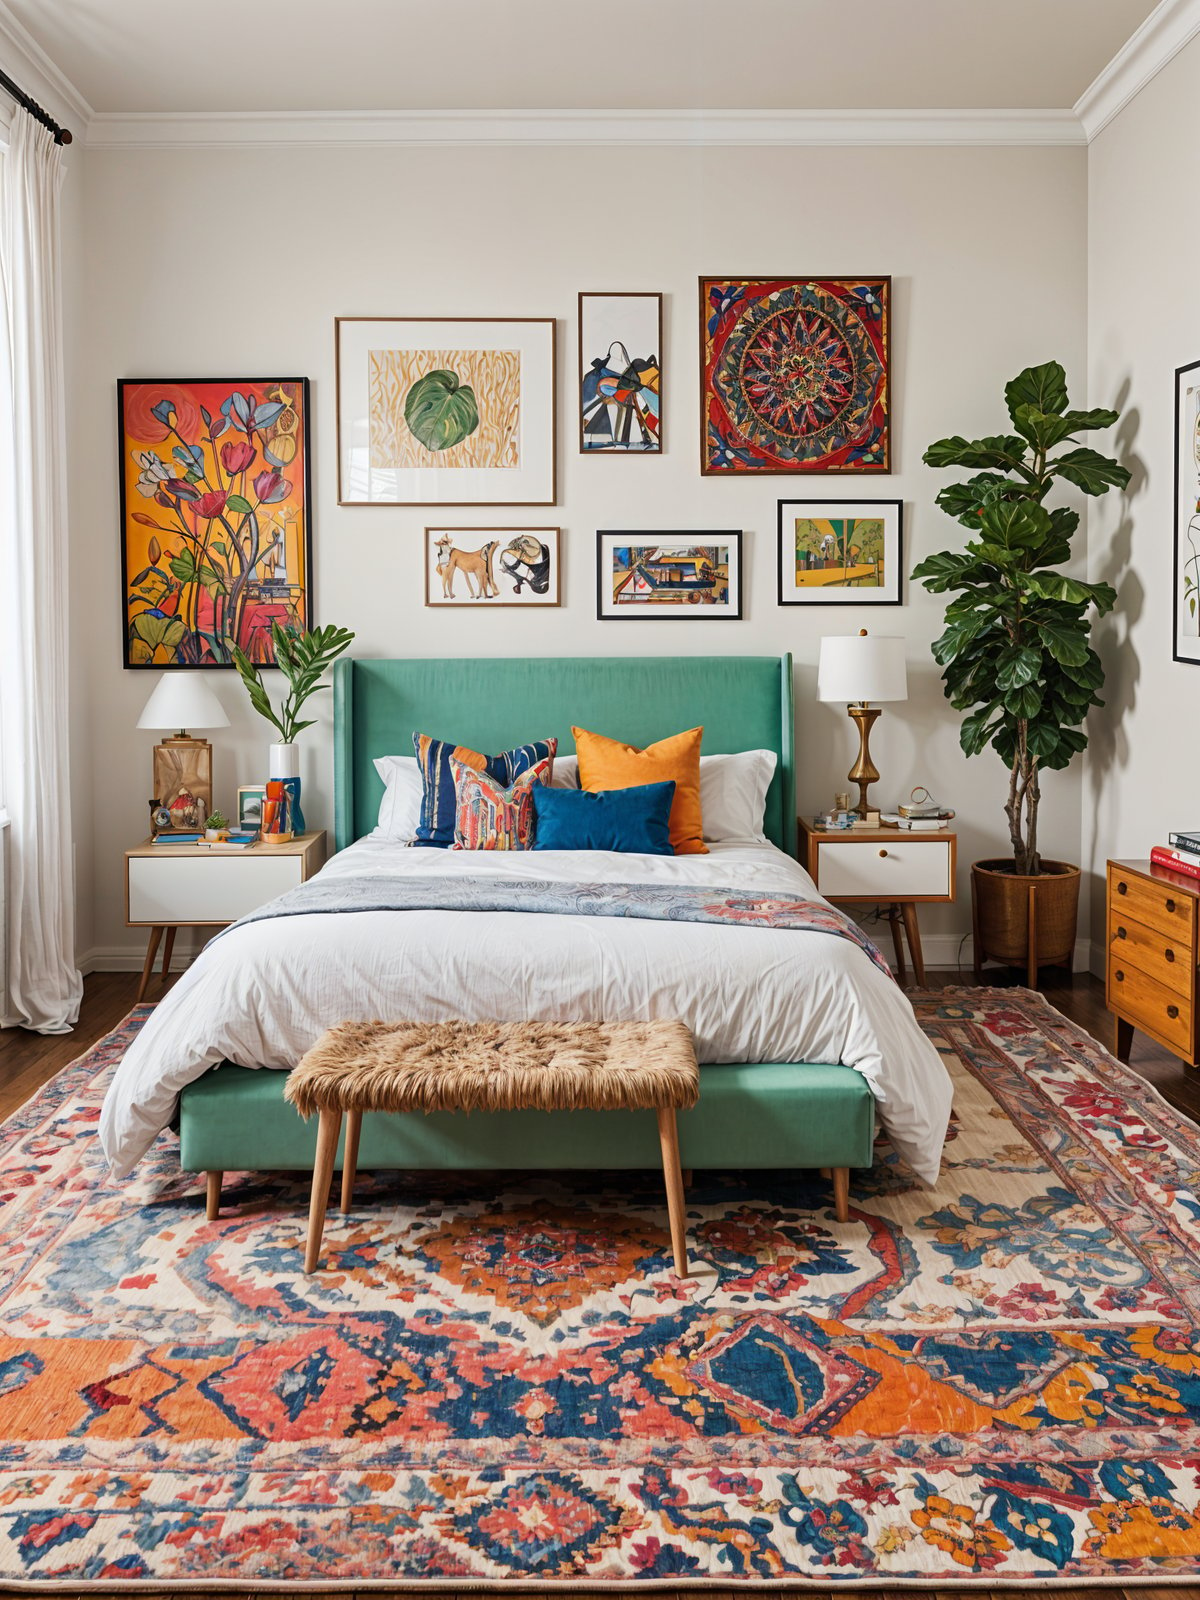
(923, 817)
(1181, 855)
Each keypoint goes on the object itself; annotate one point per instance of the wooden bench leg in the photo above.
(327, 1139)
(841, 1193)
(212, 1195)
(350, 1158)
(668, 1138)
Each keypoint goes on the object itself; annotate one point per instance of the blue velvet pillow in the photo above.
(634, 821)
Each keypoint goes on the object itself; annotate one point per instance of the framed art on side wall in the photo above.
(492, 567)
(445, 411)
(794, 375)
(841, 552)
(620, 374)
(663, 575)
(1186, 596)
(216, 531)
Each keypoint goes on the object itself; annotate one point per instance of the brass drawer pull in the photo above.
(883, 852)
(1172, 1012)
(1170, 905)
(1122, 888)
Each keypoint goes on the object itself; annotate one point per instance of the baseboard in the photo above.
(129, 958)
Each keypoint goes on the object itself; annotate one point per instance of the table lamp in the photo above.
(183, 764)
(858, 668)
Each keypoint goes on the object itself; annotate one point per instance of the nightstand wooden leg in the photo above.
(212, 1194)
(913, 929)
(896, 921)
(148, 966)
(327, 1140)
(167, 949)
(350, 1157)
(1122, 1039)
(841, 1193)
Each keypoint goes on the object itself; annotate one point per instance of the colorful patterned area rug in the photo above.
(499, 1381)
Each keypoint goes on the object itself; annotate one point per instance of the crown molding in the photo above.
(202, 129)
(1171, 25)
(28, 63)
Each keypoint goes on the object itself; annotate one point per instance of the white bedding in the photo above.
(261, 995)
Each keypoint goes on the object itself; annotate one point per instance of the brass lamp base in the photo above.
(864, 771)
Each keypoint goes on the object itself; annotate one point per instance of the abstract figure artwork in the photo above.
(216, 539)
(491, 566)
(794, 375)
(840, 552)
(442, 411)
(620, 374)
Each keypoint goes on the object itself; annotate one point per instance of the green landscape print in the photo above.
(842, 551)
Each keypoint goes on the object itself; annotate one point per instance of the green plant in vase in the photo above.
(304, 659)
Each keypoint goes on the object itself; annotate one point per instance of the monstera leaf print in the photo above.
(440, 411)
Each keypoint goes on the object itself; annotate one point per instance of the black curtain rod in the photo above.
(61, 135)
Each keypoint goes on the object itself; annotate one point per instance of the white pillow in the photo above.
(566, 772)
(733, 795)
(400, 808)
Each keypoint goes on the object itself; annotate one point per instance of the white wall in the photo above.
(1142, 771)
(235, 261)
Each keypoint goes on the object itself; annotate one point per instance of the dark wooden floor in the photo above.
(28, 1060)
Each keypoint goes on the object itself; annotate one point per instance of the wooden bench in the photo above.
(492, 1066)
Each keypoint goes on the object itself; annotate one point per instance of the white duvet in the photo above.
(262, 994)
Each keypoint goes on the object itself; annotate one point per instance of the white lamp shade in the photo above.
(862, 667)
(183, 700)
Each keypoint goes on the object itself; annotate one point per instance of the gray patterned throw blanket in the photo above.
(650, 901)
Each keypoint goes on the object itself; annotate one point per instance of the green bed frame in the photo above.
(766, 1114)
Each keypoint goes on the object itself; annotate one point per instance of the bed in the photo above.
(801, 1039)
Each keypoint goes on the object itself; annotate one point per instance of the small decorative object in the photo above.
(491, 566)
(1187, 514)
(250, 797)
(182, 763)
(216, 532)
(840, 552)
(857, 668)
(794, 375)
(1016, 653)
(446, 411)
(303, 658)
(620, 374)
(160, 817)
(841, 802)
(217, 826)
(696, 575)
(277, 814)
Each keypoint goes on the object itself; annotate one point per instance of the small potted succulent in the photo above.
(216, 826)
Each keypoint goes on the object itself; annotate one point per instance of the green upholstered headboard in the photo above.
(743, 702)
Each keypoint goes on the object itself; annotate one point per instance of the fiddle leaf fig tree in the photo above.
(1016, 654)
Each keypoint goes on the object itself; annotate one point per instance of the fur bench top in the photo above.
(497, 1066)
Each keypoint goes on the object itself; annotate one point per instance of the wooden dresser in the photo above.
(1153, 951)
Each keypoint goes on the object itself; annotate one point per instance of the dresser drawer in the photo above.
(1153, 953)
(1149, 1005)
(188, 891)
(868, 870)
(1156, 905)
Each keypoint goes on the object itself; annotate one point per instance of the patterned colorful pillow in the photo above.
(436, 825)
(489, 817)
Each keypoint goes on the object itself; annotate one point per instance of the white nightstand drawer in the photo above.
(884, 871)
(189, 890)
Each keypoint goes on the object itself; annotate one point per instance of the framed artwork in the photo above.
(490, 567)
(841, 552)
(794, 375)
(216, 526)
(662, 575)
(1186, 602)
(445, 411)
(250, 797)
(620, 374)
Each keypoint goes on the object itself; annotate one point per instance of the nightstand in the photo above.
(1153, 917)
(173, 886)
(884, 866)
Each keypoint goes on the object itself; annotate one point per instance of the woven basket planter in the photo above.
(1022, 921)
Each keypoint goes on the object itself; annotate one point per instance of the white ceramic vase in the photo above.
(283, 761)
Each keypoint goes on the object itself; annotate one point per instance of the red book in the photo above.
(1161, 856)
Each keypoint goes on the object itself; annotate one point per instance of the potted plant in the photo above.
(216, 826)
(1015, 654)
(303, 658)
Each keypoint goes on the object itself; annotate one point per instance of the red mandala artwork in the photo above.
(795, 374)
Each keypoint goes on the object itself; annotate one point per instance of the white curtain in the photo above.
(45, 986)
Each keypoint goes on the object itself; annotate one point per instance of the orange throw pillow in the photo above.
(609, 764)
